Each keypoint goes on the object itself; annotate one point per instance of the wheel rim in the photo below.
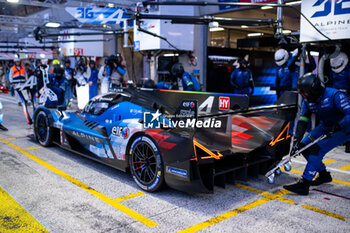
(42, 128)
(144, 163)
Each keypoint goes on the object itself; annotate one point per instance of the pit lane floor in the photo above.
(49, 189)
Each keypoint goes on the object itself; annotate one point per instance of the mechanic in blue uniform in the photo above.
(340, 78)
(92, 76)
(58, 84)
(189, 82)
(242, 79)
(333, 109)
(295, 68)
(69, 75)
(283, 71)
(12, 91)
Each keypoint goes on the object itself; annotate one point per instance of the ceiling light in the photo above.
(110, 5)
(293, 3)
(171, 55)
(216, 29)
(287, 31)
(244, 26)
(42, 55)
(266, 7)
(13, 1)
(52, 25)
(314, 53)
(255, 34)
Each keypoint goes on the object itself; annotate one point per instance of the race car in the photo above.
(190, 141)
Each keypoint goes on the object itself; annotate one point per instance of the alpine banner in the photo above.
(331, 17)
(97, 15)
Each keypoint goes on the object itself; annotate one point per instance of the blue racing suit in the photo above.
(190, 83)
(341, 80)
(58, 86)
(309, 67)
(165, 86)
(69, 75)
(284, 77)
(93, 89)
(241, 80)
(332, 109)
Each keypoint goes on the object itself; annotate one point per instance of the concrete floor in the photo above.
(65, 192)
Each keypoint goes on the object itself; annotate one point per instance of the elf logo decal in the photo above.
(224, 103)
(327, 9)
(120, 131)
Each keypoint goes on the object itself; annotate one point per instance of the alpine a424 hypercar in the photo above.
(132, 129)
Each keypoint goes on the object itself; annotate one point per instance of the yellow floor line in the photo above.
(226, 215)
(325, 212)
(268, 197)
(34, 148)
(14, 218)
(10, 139)
(87, 188)
(347, 167)
(279, 197)
(329, 161)
(129, 196)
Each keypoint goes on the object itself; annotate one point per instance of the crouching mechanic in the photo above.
(332, 107)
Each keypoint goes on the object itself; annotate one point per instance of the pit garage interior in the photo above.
(53, 189)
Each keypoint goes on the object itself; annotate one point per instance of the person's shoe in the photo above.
(301, 188)
(323, 177)
(3, 127)
(347, 147)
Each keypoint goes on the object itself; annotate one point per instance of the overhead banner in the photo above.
(331, 17)
(96, 15)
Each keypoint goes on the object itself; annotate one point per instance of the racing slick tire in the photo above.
(42, 130)
(146, 164)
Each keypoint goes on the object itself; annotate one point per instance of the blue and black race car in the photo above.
(140, 130)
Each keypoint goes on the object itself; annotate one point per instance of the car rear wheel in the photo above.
(146, 164)
(42, 130)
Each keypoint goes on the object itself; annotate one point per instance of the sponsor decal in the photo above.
(176, 171)
(120, 131)
(224, 103)
(85, 136)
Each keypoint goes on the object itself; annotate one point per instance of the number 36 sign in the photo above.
(98, 15)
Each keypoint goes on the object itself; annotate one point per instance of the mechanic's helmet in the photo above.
(11, 63)
(311, 87)
(339, 62)
(281, 57)
(243, 63)
(177, 70)
(57, 70)
(55, 62)
(149, 83)
(106, 60)
(66, 61)
(37, 62)
(92, 62)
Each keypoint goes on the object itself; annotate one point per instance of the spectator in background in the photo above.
(29, 70)
(104, 75)
(118, 70)
(69, 75)
(17, 76)
(242, 79)
(189, 82)
(92, 76)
